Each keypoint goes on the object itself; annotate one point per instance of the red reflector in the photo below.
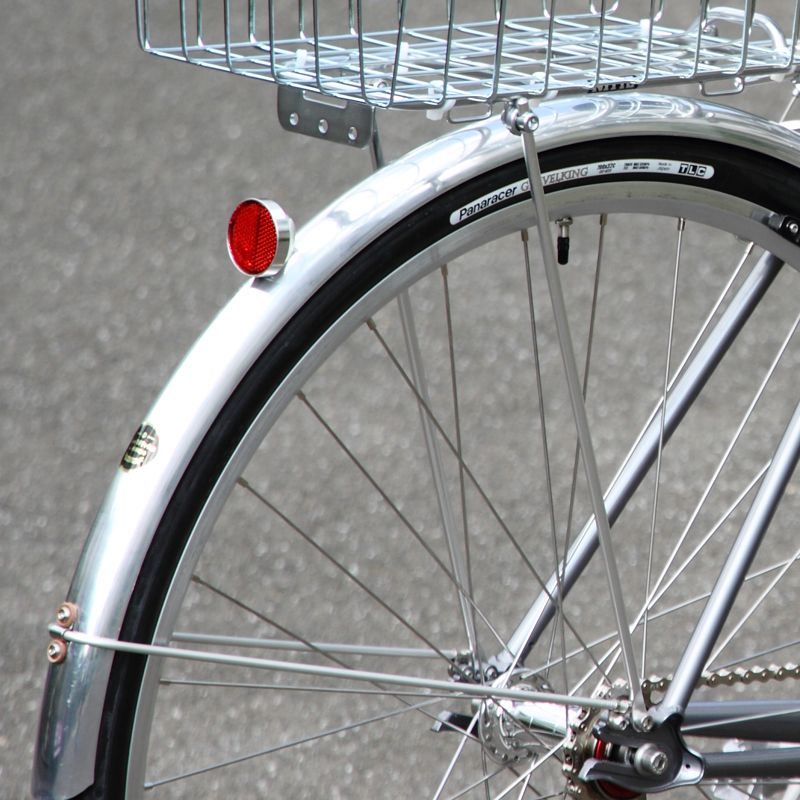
(252, 237)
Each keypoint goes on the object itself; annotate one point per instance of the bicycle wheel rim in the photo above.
(675, 198)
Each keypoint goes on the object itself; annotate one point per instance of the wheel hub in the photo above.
(514, 731)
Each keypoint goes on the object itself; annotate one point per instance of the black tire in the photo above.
(755, 182)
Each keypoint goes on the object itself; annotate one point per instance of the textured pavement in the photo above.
(117, 176)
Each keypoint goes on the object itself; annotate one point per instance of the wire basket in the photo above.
(435, 53)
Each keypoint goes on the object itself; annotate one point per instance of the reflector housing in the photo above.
(260, 236)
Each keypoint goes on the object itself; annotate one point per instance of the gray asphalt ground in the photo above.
(117, 176)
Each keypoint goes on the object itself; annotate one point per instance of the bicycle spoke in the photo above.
(560, 628)
(383, 604)
(400, 515)
(760, 654)
(603, 221)
(473, 480)
(484, 781)
(753, 607)
(459, 750)
(537, 764)
(248, 609)
(662, 428)
(485, 767)
(457, 563)
(315, 737)
(505, 529)
(727, 453)
(662, 586)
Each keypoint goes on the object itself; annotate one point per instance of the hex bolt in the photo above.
(67, 615)
(56, 651)
(646, 724)
(519, 118)
(650, 760)
(619, 722)
(528, 122)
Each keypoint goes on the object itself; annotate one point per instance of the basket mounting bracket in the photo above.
(325, 117)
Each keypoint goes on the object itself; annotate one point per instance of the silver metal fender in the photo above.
(123, 530)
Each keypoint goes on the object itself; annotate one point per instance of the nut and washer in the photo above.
(56, 651)
(67, 615)
(650, 760)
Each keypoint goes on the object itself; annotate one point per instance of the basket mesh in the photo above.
(428, 53)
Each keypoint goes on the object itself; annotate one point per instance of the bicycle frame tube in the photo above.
(643, 455)
(733, 572)
(123, 531)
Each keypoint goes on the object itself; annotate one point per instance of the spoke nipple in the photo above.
(56, 651)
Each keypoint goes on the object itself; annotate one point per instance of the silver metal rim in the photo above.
(722, 212)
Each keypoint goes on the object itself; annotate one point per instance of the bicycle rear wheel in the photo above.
(396, 476)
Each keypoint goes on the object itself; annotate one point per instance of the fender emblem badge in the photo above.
(142, 449)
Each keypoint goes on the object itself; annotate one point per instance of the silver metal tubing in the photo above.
(770, 762)
(641, 458)
(755, 720)
(575, 388)
(311, 647)
(450, 688)
(733, 572)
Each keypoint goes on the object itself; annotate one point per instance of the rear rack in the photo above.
(437, 53)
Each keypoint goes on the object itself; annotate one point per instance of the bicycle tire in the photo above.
(733, 185)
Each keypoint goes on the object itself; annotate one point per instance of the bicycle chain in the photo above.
(726, 677)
